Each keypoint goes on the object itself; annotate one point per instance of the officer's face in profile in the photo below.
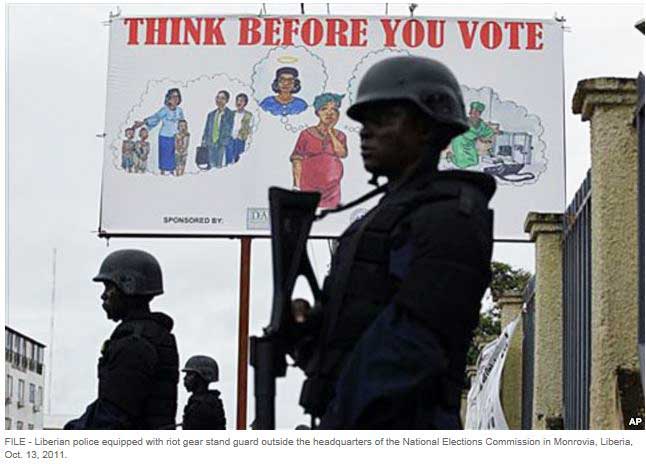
(191, 379)
(113, 303)
(392, 138)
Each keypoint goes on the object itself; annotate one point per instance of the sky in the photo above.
(55, 97)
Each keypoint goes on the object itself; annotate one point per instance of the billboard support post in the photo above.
(243, 332)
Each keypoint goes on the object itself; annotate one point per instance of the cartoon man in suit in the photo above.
(242, 122)
(217, 130)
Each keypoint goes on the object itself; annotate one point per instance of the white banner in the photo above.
(205, 113)
(484, 411)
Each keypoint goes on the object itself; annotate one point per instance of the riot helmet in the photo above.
(204, 366)
(427, 83)
(134, 272)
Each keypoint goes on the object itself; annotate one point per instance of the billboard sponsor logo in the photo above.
(258, 218)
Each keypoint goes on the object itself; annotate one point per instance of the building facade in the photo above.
(24, 381)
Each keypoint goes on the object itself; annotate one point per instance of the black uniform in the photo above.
(204, 411)
(138, 377)
(400, 304)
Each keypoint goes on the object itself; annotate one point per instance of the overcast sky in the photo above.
(57, 62)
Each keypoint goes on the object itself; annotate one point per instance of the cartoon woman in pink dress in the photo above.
(316, 159)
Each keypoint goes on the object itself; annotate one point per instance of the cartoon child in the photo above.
(142, 150)
(181, 146)
(128, 150)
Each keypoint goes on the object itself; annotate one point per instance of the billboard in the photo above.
(205, 113)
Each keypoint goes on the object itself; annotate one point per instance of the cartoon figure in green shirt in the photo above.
(464, 153)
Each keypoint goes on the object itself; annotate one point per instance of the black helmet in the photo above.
(204, 366)
(427, 83)
(134, 272)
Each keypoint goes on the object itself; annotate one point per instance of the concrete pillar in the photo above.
(609, 105)
(545, 230)
(511, 306)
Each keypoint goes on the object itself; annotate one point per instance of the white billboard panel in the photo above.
(205, 113)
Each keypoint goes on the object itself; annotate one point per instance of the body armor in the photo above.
(380, 272)
(204, 411)
(139, 371)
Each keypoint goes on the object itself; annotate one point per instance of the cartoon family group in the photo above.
(224, 137)
(173, 139)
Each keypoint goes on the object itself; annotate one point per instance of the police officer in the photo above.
(204, 410)
(403, 294)
(139, 364)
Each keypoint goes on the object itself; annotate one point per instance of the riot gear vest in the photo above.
(367, 275)
(204, 411)
(139, 370)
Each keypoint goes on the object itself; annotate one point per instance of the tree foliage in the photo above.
(504, 279)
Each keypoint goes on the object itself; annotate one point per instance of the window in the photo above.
(40, 396)
(7, 423)
(8, 339)
(20, 425)
(32, 393)
(21, 390)
(30, 426)
(8, 386)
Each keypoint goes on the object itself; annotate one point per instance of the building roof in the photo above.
(24, 336)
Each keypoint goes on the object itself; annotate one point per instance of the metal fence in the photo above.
(639, 121)
(528, 356)
(577, 284)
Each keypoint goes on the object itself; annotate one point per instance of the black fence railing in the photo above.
(639, 121)
(577, 284)
(528, 357)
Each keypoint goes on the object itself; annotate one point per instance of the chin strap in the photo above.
(342, 207)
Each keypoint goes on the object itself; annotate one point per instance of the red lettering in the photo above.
(413, 33)
(249, 31)
(174, 30)
(290, 27)
(336, 33)
(133, 30)
(213, 33)
(534, 32)
(312, 32)
(156, 31)
(514, 34)
(435, 33)
(271, 30)
(468, 35)
(491, 35)
(389, 30)
(192, 30)
(359, 29)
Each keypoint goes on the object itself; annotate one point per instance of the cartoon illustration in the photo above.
(142, 150)
(242, 121)
(463, 151)
(169, 115)
(285, 85)
(217, 130)
(181, 147)
(511, 153)
(128, 150)
(316, 159)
